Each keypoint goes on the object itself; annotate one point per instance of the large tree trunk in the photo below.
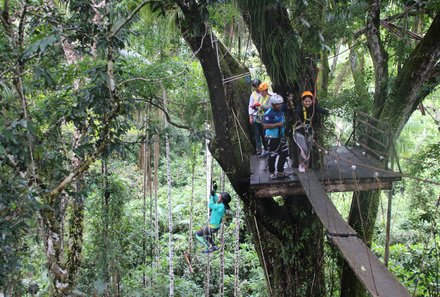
(276, 229)
(417, 78)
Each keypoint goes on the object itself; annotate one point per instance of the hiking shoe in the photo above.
(207, 251)
(301, 168)
(282, 174)
(273, 176)
(213, 248)
(265, 154)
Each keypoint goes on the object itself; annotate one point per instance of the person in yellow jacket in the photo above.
(258, 104)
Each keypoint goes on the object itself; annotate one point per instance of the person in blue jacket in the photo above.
(274, 125)
(218, 205)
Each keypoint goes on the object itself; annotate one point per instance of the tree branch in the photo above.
(21, 25)
(418, 77)
(169, 118)
(133, 13)
(379, 57)
(86, 164)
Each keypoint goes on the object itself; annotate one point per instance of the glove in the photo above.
(256, 105)
(214, 188)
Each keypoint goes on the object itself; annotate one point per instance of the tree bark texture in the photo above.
(298, 272)
(170, 202)
(379, 57)
(419, 75)
(281, 225)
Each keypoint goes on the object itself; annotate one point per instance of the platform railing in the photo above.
(375, 137)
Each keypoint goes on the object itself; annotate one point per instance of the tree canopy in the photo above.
(85, 88)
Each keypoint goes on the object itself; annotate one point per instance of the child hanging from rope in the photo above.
(218, 206)
(306, 118)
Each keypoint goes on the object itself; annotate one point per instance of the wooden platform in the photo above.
(343, 170)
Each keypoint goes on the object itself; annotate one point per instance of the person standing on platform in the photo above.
(274, 125)
(258, 104)
(307, 117)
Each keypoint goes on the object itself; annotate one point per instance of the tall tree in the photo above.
(170, 201)
(283, 231)
(419, 75)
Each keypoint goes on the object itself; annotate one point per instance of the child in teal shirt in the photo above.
(218, 204)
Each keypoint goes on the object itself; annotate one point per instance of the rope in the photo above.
(239, 139)
(241, 127)
(235, 77)
(262, 255)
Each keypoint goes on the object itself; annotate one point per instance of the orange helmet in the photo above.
(263, 87)
(307, 94)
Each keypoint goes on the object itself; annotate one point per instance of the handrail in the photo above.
(369, 130)
(371, 118)
(369, 125)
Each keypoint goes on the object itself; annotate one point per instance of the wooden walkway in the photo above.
(365, 264)
(342, 170)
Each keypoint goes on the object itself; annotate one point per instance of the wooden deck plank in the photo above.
(368, 268)
(342, 170)
(323, 206)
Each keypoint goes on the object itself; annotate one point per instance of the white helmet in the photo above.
(276, 99)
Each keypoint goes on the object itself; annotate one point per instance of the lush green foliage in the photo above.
(56, 111)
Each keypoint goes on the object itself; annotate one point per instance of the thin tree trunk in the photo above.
(191, 202)
(208, 194)
(170, 202)
(222, 242)
(357, 64)
(388, 229)
(379, 57)
(150, 193)
(105, 234)
(144, 206)
(222, 261)
(335, 60)
(237, 250)
(340, 79)
(156, 210)
(323, 76)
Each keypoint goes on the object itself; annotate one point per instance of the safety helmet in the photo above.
(276, 99)
(256, 83)
(307, 94)
(263, 87)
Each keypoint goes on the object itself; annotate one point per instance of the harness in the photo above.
(307, 123)
(262, 101)
(280, 136)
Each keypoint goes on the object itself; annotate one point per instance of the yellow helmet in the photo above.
(307, 94)
(263, 87)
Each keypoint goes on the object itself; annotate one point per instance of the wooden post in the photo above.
(388, 226)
